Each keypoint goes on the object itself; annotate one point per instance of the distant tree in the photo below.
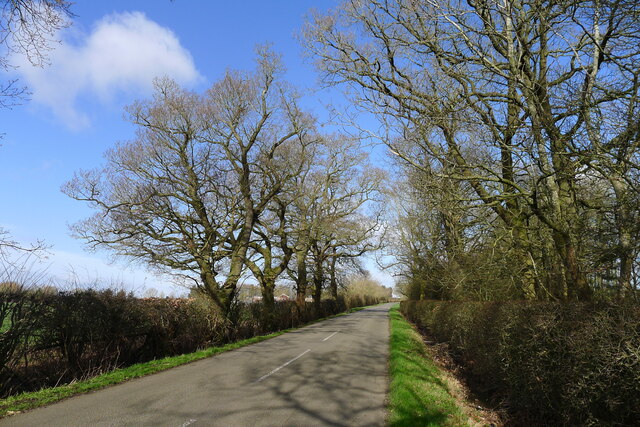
(153, 293)
(364, 285)
(344, 207)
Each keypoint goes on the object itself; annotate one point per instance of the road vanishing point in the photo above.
(331, 373)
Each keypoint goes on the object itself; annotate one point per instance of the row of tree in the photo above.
(517, 128)
(234, 181)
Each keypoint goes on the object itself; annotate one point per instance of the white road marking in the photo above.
(329, 336)
(187, 423)
(282, 366)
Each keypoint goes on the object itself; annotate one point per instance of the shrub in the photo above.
(55, 338)
(561, 364)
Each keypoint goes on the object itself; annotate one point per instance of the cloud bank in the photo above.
(122, 55)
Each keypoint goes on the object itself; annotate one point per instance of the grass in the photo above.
(31, 400)
(5, 324)
(419, 394)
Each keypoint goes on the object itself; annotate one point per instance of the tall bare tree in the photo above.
(271, 247)
(503, 91)
(346, 192)
(186, 194)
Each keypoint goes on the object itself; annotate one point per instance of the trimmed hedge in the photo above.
(47, 339)
(556, 364)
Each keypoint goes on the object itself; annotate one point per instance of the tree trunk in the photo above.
(301, 280)
(268, 305)
(577, 285)
(318, 281)
(333, 282)
(526, 266)
(267, 290)
(221, 296)
(624, 221)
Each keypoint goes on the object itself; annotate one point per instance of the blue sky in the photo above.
(105, 61)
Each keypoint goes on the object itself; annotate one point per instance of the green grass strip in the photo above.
(25, 401)
(418, 394)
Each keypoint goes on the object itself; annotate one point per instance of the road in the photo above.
(332, 373)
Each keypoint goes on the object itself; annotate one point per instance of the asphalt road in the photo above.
(332, 373)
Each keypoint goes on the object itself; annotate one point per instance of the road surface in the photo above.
(332, 373)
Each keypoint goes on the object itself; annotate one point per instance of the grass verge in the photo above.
(31, 400)
(419, 394)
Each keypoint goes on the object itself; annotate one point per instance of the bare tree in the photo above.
(328, 214)
(162, 198)
(344, 211)
(264, 120)
(270, 252)
(508, 93)
(270, 247)
(394, 71)
(186, 194)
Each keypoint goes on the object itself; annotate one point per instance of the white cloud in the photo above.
(122, 55)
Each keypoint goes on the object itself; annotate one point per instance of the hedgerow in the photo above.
(555, 363)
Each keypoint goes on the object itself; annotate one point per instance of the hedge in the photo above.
(554, 363)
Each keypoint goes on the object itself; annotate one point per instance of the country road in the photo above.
(332, 373)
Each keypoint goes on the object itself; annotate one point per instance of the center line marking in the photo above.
(282, 366)
(330, 336)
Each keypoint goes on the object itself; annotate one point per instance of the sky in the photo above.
(105, 60)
